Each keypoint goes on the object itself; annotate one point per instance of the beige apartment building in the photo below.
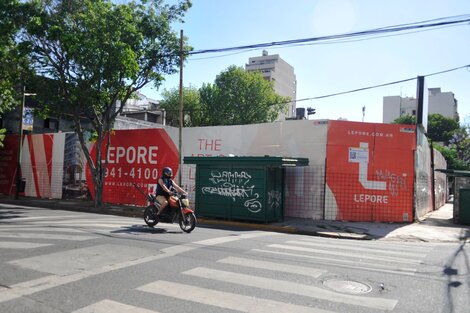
(281, 73)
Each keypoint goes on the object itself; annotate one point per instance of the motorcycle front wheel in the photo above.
(150, 216)
(187, 222)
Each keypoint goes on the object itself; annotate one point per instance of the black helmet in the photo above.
(167, 172)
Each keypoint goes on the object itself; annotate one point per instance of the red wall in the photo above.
(370, 171)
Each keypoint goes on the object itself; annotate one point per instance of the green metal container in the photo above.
(242, 188)
(464, 206)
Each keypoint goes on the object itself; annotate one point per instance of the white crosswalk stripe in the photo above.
(225, 300)
(107, 306)
(349, 263)
(26, 235)
(280, 267)
(422, 247)
(350, 254)
(355, 248)
(21, 245)
(293, 288)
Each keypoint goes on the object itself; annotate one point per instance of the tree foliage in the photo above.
(448, 137)
(100, 53)
(405, 120)
(238, 97)
(193, 113)
(460, 142)
(441, 128)
(14, 65)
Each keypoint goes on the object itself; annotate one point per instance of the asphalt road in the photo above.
(62, 261)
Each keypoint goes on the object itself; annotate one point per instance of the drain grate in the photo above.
(347, 286)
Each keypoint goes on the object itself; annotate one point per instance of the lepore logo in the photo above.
(370, 171)
(135, 157)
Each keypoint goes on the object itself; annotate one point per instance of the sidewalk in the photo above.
(436, 226)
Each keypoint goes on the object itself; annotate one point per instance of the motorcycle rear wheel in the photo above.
(187, 222)
(150, 216)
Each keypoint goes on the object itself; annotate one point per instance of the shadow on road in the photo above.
(453, 276)
(139, 229)
(11, 213)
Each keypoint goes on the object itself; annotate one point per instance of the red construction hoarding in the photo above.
(370, 172)
(135, 157)
(41, 165)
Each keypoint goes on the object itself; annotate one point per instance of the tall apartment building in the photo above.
(281, 73)
(443, 103)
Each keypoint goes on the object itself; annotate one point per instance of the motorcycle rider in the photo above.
(163, 192)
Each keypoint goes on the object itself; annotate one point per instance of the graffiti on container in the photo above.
(235, 185)
(274, 199)
(395, 182)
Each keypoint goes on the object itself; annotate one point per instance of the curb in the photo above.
(137, 212)
(286, 229)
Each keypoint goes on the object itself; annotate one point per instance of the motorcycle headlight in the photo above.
(185, 202)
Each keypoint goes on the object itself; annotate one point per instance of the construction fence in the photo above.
(356, 172)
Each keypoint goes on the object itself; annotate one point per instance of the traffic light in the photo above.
(310, 111)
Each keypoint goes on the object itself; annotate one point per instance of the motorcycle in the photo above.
(177, 210)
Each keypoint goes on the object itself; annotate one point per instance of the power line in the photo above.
(369, 87)
(435, 23)
(382, 85)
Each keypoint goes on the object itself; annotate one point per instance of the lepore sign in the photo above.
(135, 157)
(131, 155)
(370, 171)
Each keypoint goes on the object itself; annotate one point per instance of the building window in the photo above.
(413, 112)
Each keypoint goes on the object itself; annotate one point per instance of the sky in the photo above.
(324, 69)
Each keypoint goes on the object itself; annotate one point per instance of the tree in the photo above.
(440, 128)
(238, 97)
(405, 120)
(193, 114)
(455, 139)
(452, 158)
(460, 142)
(100, 53)
(14, 65)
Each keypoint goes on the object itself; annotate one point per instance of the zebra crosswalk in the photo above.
(221, 288)
(283, 274)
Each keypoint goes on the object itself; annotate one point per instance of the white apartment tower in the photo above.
(443, 103)
(281, 73)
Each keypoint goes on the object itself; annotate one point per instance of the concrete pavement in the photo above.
(436, 226)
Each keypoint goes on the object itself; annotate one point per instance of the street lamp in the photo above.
(20, 143)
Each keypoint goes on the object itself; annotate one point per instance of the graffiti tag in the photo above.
(395, 182)
(235, 185)
(274, 199)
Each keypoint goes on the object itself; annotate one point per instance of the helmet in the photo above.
(167, 172)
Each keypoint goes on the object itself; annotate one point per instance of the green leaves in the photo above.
(93, 55)
(238, 97)
(13, 54)
(235, 98)
(441, 128)
(448, 138)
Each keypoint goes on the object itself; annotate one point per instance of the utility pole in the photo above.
(20, 143)
(181, 110)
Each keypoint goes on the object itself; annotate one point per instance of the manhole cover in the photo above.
(347, 286)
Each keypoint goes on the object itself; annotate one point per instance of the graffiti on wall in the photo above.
(395, 183)
(274, 199)
(235, 185)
